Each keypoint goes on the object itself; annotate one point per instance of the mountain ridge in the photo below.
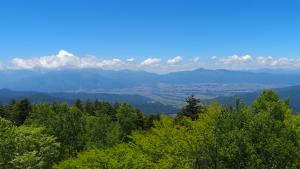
(145, 104)
(94, 79)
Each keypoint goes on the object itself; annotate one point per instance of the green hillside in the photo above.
(145, 104)
(291, 93)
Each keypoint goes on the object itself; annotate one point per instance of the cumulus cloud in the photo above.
(130, 60)
(175, 60)
(247, 61)
(279, 62)
(235, 59)
(64, 59)
(151, 62)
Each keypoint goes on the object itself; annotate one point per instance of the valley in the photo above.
(175, 94)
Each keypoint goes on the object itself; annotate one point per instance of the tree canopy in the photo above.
(97, 134)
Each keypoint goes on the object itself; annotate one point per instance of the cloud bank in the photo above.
(175, 60)
(151, 62)
(249, 62)
(64, 60)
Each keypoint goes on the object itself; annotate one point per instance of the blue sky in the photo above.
(143, 29)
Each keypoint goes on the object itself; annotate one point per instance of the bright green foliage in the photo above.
(275, 133)
(7, 142)
(35, 149)
(120, 157)
(107, 128)
(265, 101)
(65, 123)
(98, 135)
(164, 147)
(129, 119)
(101, 131)
(264, 135)
(26, 147)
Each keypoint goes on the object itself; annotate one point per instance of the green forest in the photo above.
(91, 135)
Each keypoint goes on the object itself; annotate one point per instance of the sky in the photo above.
(154, 35)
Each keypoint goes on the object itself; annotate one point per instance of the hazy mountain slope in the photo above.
(143, 103)
(95, 79)
(291, 93)
(228, 76)
(35, 97)
(112, 98)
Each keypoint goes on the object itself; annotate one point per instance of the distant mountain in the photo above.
(277, 71)
(145, 104)
(228, 76)
(95, 79)
(291, 93)
(72, 80)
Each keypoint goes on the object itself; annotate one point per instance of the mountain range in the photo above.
(98, 79)
(141, 88)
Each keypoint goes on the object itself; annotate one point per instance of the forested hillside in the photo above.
(97, 134)
(292, 93)
(145, 104)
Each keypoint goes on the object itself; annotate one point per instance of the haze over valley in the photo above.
(169, 89)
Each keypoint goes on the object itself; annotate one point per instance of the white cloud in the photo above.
(130, 60)
(175, 60)
(112, 62)
(151, 62)
(250, 62)
(64, 59)
(235, 59)
(264, 60)
(196, 59)
(280, 62)
(21, 64)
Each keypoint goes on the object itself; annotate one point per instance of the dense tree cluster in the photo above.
(41, 135)
(99, 135)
